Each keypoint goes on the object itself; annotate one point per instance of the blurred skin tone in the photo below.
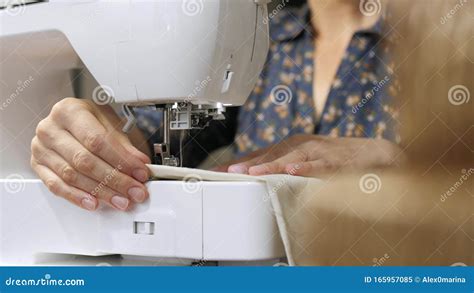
(335, 22)
(81, 155)
(318, 156)
(414, 218)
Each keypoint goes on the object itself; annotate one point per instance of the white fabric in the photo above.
(281, 190)
(178, 173)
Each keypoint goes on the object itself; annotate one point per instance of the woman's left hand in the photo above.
(316, 156)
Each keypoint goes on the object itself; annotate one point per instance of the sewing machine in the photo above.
(188, 59)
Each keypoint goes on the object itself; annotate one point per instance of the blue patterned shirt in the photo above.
(358, 103)
(282, 104)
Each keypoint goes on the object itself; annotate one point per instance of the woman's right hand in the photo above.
(81, 155)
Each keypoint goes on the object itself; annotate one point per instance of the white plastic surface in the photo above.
(238, 223)
(144, 52)
(153, 51)
(140, 51)
(228, 221)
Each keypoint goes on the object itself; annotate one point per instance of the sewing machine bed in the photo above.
(187, 219)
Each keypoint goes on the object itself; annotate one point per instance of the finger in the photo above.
(112, 122)
(318, 168)
(222, 168)
(268, 155)
(94, 167)
(59, 188)
(243, 167)
(135, 151)
(103, 143)
(71, 177)
(225, 167)
(278, 166)
(240, 166)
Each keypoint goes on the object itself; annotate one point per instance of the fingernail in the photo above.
(120, 202)
(88, 204)
(238, 169)
(259, 170)
(137, 194)
(140, 174)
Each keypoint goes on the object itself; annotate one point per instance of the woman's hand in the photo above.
(316, 156)
(81, 155)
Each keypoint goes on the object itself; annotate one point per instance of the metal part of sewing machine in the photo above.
(189, 62)
(182, 117)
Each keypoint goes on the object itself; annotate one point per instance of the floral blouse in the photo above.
(281, 105)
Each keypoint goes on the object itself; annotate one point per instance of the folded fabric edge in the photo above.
(181, 173)
(277, 210)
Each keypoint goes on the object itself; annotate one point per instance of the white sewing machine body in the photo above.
(141, 53)
(212, 221)
(153, 52)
